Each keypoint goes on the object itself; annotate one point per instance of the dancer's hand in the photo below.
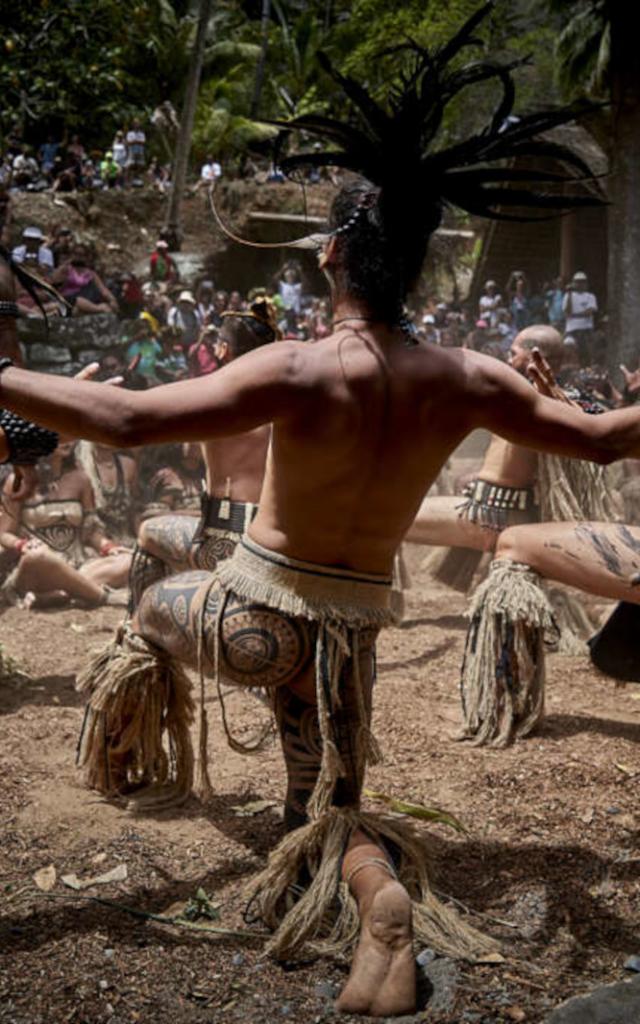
(543, 379)
(89, 371)
(631, 383)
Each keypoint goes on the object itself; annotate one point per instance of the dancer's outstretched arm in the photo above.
(254, 389)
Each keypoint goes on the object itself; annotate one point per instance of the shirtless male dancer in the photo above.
(504, 492)
(234, 473)
(362, 423)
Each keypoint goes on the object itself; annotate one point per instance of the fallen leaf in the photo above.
(624, 768)
(516, 1013)
(587, 817)
(76, 628)
(627, 821)
(490, 958)
(255, 807)
(117, 874)
(99, 858)
(45, 878)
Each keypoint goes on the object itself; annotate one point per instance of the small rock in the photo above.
(109, 1009)
(424, 957)
(103, 985)
(325, 990)
(613, 810)
(238, 960)
(109, 953)
(285, 1009)
(632, 964)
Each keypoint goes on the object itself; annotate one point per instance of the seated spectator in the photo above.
(144, 349)
(33, 252)
(114, 482)
(177, 481)
(172, 364)
(290, 289)
(158, 175)
(490, 302)
(81, 286)
(128, 292)
(76, 151)
(162, 268)
(236, 304)
(25, 169)
(47, 155)
(185, 316)
(156, 302)
(209, 173)
(61, 243)
(220, 305)
(46, 534)
(64, 175)
(204, 300)
(90, 177)
(109, 170)
(202, 357)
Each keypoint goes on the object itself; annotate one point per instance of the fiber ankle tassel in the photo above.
(138, 695)
(503, 672)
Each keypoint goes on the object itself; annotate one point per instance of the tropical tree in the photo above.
(597, 57)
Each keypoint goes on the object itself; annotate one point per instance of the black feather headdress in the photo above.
(394, 146)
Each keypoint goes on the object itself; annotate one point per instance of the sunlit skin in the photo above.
(362, 425)
(438, 521)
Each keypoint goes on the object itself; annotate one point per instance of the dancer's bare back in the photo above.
(235, 465)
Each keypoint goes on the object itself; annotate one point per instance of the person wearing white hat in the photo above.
(161, 265)
(185, 315)
(580, 306)
(33, 251)
(489, 303)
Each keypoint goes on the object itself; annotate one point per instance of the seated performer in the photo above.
(234, 472)
(504, 492)
(47, 533)
(363, 421)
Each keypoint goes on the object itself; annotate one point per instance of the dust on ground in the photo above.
(550, 864)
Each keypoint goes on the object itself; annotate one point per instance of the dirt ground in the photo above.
(550, 864)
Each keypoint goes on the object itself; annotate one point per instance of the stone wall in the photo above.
(69, 343)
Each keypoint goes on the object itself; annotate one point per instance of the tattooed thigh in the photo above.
(169, 538)
(257, 646)
(213, 548)
(167, 614)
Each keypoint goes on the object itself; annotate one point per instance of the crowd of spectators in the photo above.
(67, 166)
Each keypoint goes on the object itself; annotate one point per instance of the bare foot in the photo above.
(382, 982)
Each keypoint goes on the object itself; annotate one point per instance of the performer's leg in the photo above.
(163, 547)
(382, 981)
(263, 647)
(43, 572)
(599, 558)
(439, 523)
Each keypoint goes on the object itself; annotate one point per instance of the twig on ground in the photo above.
(146, 915)
(476, 913)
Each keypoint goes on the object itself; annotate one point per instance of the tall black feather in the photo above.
(395, 146)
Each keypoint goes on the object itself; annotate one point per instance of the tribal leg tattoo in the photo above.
(302, 750)
(258, 646)
(347, 716)
(163, 547)
(145, 570)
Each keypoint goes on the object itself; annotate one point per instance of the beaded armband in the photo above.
(9, 309)
(27, 442)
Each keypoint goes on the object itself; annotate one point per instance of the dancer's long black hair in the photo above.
(388, 214)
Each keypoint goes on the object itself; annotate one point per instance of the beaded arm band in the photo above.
(26, 442)
(9, 309)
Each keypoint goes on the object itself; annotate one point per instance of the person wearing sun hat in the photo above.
(185, 315)
(580, 306)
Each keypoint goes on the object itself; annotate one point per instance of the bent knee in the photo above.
(512, 544)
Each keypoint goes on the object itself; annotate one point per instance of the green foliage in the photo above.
(583, 49)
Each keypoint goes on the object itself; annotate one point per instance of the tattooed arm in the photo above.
(256, 388)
